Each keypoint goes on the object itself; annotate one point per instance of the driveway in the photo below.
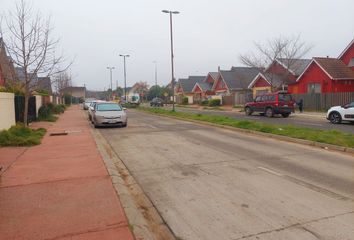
(301, 120)
(212, 183)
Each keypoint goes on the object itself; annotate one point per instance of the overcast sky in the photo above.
(207, 33)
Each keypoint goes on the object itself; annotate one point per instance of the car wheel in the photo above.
(335, 117)
(285, 115)
(125, 125)
(269, 112)
(248, 111)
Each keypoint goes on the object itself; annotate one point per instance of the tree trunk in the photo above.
(25, 116)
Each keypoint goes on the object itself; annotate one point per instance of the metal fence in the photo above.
(323, 101)
(20, 107)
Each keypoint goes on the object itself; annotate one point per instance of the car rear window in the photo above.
(108, 107)
(285, 97)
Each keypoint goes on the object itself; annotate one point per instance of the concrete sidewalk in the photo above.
(59, 189)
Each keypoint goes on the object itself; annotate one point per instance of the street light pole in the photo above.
(110, 70)
(125, 75)
(172, 67)
(155, 76)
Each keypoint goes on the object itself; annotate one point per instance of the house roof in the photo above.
(346, 49)
(21, 75)
(239, 77)
(44, 83)
(187, 84)
(335, 68)
(297, 66)
(204, 86)
(214, 75)
(277, 80)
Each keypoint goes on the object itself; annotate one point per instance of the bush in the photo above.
(44, 112)
(185, 100)
(130, 105)
(20, 135)
(214, 102)
(204, 103)
(58, 109)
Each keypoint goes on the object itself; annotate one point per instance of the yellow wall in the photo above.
(7, 110)
(255, 89)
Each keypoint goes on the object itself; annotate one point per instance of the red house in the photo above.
(347, 56)
(327, 75)
(324, 75)
(278, 76)
(203, 90)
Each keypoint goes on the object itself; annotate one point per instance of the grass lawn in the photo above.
(20, 135)
(324, 136)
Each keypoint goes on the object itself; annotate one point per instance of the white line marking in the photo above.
(271, 171)
(153, 127)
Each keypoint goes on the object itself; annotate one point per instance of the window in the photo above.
(314, 88)
(351, 63)
(108, 107)
(284, 97)
(258, 99)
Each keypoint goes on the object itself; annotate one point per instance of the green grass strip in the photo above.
(20, 135)
(323, 136)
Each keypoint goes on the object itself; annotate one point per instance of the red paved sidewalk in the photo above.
(59, 189)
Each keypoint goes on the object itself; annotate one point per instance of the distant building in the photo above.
(77, 92)
(7, 71)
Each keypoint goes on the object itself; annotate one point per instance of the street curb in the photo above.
(145, 221)
(269, 135)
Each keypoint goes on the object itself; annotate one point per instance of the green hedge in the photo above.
(185, 100)
(214, 102)
(20, 135)
(204, 103)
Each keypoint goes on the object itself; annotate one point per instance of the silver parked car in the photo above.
(91, 107)
(109, 114)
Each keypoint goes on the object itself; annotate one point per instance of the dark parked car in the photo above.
(271, 103)
(156, 102)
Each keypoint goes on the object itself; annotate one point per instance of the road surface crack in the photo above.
(300, 225)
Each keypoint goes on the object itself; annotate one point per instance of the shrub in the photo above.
(214, 102)
(185, 100)
(20, 135)
(204, 103)
(58, 109)
(44, 112)
(130, 105)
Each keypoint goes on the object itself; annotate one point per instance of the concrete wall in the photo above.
(38, 103)
(7, 110)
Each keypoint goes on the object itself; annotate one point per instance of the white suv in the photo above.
(337, 114)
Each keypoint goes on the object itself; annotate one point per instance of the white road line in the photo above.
(271, 171)
(312, 124)
(153, 127)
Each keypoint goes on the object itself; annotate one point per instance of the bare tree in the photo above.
(30, 44)
(62, 80)
(289, 49)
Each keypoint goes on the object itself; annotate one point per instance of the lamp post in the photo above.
(125, 76)
(110, 70)
(155, 76)
(172, 68)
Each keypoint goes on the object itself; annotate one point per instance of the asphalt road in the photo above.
(211, 183)
(303, 120)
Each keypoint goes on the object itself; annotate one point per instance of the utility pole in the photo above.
(110, 70)
(172, 67)
(125, 75)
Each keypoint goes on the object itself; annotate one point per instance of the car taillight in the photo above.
(276, 104)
